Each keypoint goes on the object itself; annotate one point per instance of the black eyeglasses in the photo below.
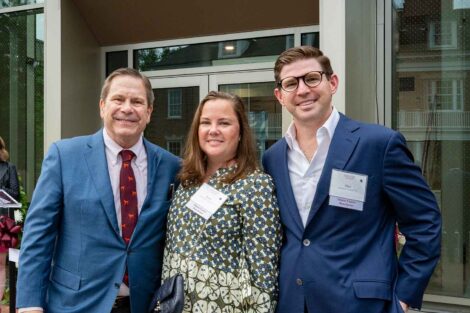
(311, 79)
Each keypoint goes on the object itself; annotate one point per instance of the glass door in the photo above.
(264, 111)
(176, 99)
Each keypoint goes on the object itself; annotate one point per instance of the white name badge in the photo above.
(206, 201)
(348, 190)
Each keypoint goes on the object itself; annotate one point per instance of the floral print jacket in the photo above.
(229, 262)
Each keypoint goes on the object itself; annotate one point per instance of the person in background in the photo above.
(227, 252)
(342, 186)
(94, 234)
(9, 183)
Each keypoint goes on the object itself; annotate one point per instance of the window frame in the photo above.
(169, 142)
(432, 35)
(174, 106)
(457, 84)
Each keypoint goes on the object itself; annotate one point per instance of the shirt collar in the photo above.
(113, 149)
(329, 126)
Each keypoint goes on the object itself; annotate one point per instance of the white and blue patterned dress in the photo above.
(233, 266)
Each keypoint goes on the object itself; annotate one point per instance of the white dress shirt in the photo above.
(139, 166)
(305, 174)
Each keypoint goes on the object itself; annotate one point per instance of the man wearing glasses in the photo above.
(342, 186)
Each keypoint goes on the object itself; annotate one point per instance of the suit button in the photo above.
(306, 242)
(299, 282)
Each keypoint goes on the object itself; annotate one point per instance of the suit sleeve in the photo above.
(40, 231)
(418, 218)
(13, 186)
(262, 240)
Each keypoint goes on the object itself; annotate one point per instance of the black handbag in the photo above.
(169, 297)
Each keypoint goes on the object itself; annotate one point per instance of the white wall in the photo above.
(333, 43)
(52, 67)
(362, 34)
(80, 79)
(353, 35)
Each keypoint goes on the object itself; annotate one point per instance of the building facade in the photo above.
(401, 63)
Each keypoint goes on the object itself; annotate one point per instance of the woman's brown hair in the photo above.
(4, 155)
(193, 170)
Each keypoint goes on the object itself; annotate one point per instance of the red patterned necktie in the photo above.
(128, 192)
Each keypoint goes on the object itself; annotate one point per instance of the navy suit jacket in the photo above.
(72, 256)
(345, 260)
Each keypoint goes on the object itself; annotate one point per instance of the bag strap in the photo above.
(244, 278)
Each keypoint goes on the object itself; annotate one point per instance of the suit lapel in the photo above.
(153, 161)
(95, 157)
(285, 188)
(341, 148)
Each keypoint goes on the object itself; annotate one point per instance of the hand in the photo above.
(404, 306)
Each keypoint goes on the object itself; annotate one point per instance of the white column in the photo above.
(52, 73)
(333, 43)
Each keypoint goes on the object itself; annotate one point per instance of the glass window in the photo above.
(22, 91)
(174, 103)
(213, 53)
(175, 147)
(310, 39)
(264, 112)
(445, 94)
(430, 107)
(22, 94)
(164, 131)
(442, 34)
(407, 84)
(115, 60)
(15, 3)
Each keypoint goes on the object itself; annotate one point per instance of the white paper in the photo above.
(7, 201)
(346, 203)
(206, 201)
(348, 185)
(13, 255)
(348, 190)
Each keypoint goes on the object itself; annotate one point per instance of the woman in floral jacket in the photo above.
(228, 255)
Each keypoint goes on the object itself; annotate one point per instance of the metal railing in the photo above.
(433, 119)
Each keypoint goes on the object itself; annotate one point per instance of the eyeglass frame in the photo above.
(279, 83)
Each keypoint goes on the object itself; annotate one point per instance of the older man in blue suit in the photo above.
(94, 234)
(342, 186)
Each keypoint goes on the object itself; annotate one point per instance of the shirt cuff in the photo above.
(25, 310)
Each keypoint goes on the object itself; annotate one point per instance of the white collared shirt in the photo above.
(139, 166)
(304, 174)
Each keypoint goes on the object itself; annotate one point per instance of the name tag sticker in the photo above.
(206, 201)
(348, 190)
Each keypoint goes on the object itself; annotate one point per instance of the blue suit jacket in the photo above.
(72, 257)
(349, 264)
